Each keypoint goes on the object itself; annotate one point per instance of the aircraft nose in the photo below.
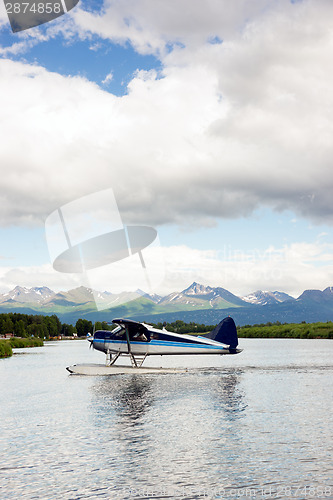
(90, 339)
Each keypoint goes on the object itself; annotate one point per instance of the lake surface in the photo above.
(255, 425)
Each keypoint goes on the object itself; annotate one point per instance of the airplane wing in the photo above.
(133, 327)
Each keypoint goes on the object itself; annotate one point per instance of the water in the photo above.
(256, 425)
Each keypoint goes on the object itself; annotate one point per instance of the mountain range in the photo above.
(198, 303)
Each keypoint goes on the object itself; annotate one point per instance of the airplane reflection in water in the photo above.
(168, 426)
(219, 391)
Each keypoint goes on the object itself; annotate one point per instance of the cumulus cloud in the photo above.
(3, 14)
(30, 276)
(155, 26)
(224, 128)
(290, 268)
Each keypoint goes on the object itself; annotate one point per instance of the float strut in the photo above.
(108, 359)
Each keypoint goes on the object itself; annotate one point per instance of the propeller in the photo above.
(90, 339)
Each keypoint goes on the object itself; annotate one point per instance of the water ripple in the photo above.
(219, 431)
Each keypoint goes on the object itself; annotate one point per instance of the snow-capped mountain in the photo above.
(197, 289)
(263, 298)
(21, 294)
(80, 295)
(197, 295)
(197, 303)
(154, 297)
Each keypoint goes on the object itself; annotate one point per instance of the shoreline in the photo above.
(7, 345)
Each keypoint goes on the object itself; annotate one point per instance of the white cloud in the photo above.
(152, 26)
(108, 78)
(3, 14)
(225, 127)
(30, 276)
(16, 48)
(292, 269)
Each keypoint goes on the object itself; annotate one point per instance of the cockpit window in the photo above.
(119, 333)
(139, 336)
(100, 334)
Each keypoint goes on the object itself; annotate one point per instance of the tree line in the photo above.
(182, 327)
(45, 327)
(301, 330)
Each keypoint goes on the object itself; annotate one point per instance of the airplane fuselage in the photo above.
(157, 342)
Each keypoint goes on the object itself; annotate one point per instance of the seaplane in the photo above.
(138, 340)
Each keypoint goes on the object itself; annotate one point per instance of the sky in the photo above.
(209, 120)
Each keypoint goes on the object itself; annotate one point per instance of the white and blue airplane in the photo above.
(139, 340)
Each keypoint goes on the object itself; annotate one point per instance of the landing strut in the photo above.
(136, 361)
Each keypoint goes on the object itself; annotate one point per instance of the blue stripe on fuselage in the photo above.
(164, 343)
(185, 344)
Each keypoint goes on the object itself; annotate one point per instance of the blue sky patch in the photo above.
(93, 59)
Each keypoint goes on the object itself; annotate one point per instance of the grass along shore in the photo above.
(288, 330)
(301, 330)
(7, 345)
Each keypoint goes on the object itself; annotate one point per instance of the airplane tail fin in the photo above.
(226, 333)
